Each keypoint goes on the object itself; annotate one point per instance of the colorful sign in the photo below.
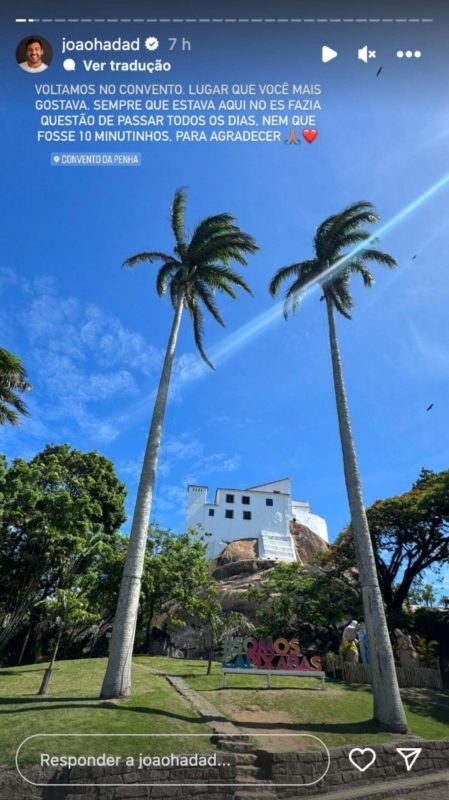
(246, 652)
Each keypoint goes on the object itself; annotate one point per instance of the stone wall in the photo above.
(274, 768)
(13, 787)
(306, 767)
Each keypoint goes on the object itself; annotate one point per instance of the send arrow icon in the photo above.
(409, 754)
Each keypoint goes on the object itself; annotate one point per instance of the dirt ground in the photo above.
(273, 742)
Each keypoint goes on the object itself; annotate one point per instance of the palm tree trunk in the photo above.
(117, 680)
(388, 709)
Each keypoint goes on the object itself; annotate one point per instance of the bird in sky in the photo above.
(379, 71)
(413, 258)
(429, 408)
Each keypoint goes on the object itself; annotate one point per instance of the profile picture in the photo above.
(34, 54)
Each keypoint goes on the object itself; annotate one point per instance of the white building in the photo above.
(261, 512)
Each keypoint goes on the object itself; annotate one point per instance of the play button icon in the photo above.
(327, 54)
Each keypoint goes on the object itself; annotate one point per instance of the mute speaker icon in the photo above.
(362, 54)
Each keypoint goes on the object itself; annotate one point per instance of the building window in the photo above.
(229, 498)
(247, 515)
(246, 499)
(268, 501)
(229, 514)
(211, 512)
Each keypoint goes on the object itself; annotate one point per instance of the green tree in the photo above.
(175, 578)
(192, 275)
(102, 579)
(50, 508)
(293, 599)
(13, 380)
(67, 607)
(427, 650)
(422, 594)
(409, 534)
(343, 248)
(219, 623)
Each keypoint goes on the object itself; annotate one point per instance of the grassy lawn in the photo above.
(340, 715)
(72, 706)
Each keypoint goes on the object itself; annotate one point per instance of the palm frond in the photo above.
(379, 256)
(357, 267)
(166, 272)
(177, 220)
(175, 290)
(338, 304)
(340, 287)
(345, 223)
(354, 209)
(204, 293)
(146, 256)
(337, 234)
(10, 397)
(281, 275)
(224, 246)
(198, 331)
(200, 267)
(293, 294)
(217, 278)
(8, 415)
(228, 276)
(208, 227)
(351, 239)
(321, 234)
(225, 288)
(13, 379)
(338, 226)
(12, 372)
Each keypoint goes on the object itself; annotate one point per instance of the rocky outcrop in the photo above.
(240, 550)
(308, 545)
(236, 569)
(239, 558)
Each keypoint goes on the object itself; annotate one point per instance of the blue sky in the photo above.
(92, 335)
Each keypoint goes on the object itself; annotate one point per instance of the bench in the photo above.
(275, 672)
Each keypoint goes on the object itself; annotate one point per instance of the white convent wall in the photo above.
(302, 513)
(256, 512)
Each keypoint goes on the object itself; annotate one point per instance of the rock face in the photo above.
(237, 558)
(236, 569)
(240, 550)
(308, 545)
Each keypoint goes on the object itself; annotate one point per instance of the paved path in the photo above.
(211, 716)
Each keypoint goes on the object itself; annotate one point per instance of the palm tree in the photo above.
(332, 269)
(192, 275)
(13, 379)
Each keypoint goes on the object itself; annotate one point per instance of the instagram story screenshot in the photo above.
(224, 382)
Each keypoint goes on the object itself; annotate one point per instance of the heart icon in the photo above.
(310, 135)
(362, 752)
